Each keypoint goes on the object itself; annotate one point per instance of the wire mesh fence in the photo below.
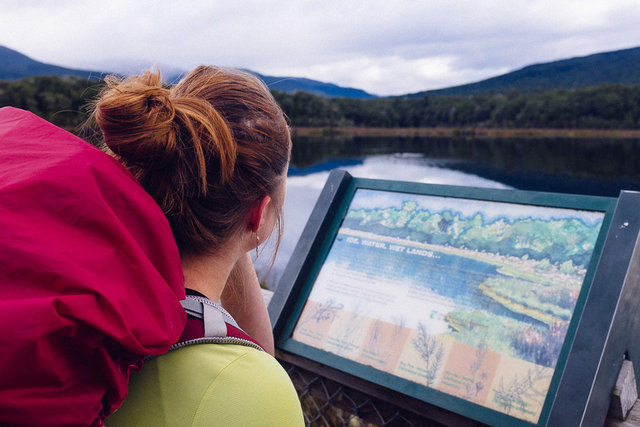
(330, 402)
(327, 403)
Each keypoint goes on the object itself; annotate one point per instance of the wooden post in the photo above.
(624, 395)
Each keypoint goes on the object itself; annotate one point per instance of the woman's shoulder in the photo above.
(221, 361)
(231, 384)
(258, 388)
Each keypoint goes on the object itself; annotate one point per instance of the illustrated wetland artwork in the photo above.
(471, 298)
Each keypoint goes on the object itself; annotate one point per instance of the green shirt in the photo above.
(210, 385)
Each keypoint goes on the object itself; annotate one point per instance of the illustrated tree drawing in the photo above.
(431, 352)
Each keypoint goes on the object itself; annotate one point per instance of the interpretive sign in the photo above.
(471, 298)
(468, 299)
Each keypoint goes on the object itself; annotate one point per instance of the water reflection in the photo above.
(600, 159)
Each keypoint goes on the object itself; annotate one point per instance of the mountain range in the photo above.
(620, 66)
(14, 65)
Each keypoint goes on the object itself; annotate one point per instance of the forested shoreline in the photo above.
(64, 101)
(602, 107)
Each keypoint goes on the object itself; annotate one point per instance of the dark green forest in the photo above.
(64, 101)
(602, 107)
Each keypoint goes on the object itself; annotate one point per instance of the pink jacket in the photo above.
(90, 277)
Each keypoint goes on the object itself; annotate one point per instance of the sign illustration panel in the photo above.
(472, 298)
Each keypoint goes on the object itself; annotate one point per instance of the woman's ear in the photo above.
(257, 213)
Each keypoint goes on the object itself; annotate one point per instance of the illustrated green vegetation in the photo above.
(479, 327)
(536, 343)
(565, 244)
(534, 299)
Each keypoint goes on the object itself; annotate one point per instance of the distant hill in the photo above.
(621, 66)
(294, 84)
(297, 84)
(301, 84)
(14, 66)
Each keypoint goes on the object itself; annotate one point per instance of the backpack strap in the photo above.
(208, 322)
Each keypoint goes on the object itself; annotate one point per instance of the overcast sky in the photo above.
(386, 47)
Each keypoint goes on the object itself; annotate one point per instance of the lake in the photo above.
(579, 166)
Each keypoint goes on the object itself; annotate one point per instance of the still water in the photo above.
(594, 167)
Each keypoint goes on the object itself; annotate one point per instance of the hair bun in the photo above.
(136, 116)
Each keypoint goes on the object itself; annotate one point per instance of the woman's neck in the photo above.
(208, 274)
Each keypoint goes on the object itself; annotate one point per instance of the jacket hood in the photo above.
(90, 276)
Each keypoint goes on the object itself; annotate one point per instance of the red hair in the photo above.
(207, 149)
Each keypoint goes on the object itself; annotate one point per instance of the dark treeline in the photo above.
(602, 107)
(63, 101)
